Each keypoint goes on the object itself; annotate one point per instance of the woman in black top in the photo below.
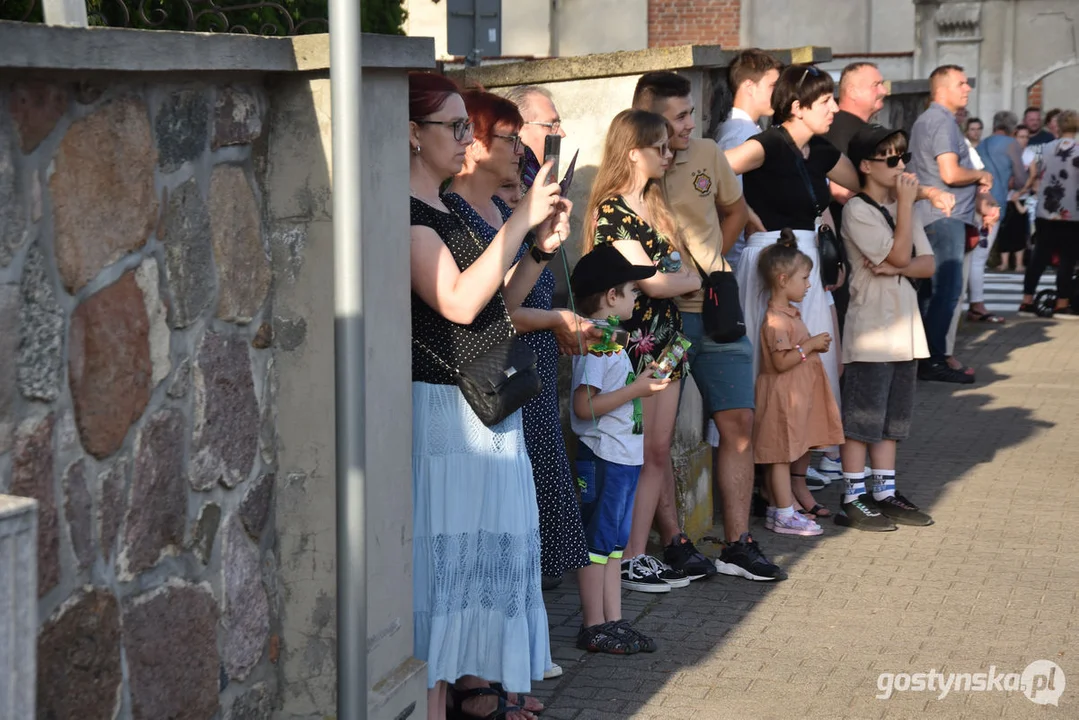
(477, 604)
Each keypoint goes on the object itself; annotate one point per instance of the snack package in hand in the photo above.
(672, 356)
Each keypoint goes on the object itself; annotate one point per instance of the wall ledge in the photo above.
(616, 64)
(34, 46)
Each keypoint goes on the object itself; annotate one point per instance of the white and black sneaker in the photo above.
(674, 578)
(637, 574)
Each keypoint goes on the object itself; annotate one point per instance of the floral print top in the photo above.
(1058, 196)
(654, 321)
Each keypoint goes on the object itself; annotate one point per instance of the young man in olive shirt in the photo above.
(707, 201)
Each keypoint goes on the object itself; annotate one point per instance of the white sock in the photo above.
(883, 484)
(785, 512)
(855, 486)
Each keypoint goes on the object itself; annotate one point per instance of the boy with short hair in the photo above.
(883, 338)
(606, 416)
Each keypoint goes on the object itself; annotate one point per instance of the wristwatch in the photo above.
(538, 255)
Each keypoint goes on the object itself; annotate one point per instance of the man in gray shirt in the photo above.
(941, 159)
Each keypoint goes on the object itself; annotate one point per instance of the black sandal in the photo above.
(522, 699)
(602, 639)
(815, 511)
(456, 711)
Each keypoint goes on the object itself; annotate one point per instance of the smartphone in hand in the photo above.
(552, 147)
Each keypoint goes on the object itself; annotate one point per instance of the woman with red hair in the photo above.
(478, 610)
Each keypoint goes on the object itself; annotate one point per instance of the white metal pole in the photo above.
(346, 87)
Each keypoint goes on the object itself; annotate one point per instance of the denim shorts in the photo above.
(607, 493)
(723, 372)
(878, 400)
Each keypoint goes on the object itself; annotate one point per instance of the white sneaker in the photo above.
(814, 474)
(831, 469)
(797, 524)
(638, 575)
(552, 672)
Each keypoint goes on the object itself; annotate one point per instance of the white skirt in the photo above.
(816, 308)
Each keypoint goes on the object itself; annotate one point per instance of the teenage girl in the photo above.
(796, 409)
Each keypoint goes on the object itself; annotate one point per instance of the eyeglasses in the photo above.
(893, 160)
(461, 128)
(662, 149)
(810, 70)
(552, 127)
(518, 143)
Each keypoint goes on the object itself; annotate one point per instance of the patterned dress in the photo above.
(561, 530)
(654, 321)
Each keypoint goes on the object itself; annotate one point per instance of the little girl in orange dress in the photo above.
(796, 410)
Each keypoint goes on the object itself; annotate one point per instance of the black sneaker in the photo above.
(674, 578)
(603, 639)
(638, 576)
(743, 558)
(936, 371)
(632, 636)
(862, 514)
(682, 555)
(903, 511)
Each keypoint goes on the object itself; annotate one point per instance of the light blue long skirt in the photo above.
(477, 602)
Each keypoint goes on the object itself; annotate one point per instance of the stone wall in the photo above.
(136, 399)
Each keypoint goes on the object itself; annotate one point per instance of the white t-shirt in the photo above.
(618, 436)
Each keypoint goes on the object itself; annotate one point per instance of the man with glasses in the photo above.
(541, 119)
(707, 201)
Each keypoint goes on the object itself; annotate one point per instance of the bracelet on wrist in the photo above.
(801, 352)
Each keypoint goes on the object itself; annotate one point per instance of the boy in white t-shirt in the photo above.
(606, 416)
(883, 338)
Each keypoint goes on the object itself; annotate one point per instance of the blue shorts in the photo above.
(607, 492)
(723, 372)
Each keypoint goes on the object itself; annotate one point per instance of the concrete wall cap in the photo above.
(29, 45)
(617, 64)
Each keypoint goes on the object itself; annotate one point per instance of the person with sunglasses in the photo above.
(883, 338)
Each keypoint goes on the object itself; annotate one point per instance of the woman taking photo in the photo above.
(473, 196)
(628, 210)
(478, 610)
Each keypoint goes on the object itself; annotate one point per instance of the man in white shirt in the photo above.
(751, 77)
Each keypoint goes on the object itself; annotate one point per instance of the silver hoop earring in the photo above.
(416, 150)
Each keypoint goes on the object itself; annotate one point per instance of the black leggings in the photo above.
(1060, 237)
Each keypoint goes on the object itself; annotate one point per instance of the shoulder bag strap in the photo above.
(880, 208)
(801, 162)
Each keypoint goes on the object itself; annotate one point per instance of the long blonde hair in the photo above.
(631, 129)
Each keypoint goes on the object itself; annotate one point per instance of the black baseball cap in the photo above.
(865, 142)
(605, 268)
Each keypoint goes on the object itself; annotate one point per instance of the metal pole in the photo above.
(346, 87)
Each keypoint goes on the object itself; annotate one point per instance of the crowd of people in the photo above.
(820, 350)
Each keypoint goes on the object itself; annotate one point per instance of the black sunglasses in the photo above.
(893, 160)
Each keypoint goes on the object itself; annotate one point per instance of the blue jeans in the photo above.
(607, 493)
(938, 298)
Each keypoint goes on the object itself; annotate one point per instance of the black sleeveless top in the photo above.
(776, 190)
(436, 341)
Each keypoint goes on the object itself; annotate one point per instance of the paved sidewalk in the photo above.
(995, 582)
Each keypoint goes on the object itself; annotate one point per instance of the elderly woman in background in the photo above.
(1057, 221)
(478, 611)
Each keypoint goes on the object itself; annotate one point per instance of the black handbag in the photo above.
(833, 257)
(721, 310)
(891, 223)
(502, 380)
